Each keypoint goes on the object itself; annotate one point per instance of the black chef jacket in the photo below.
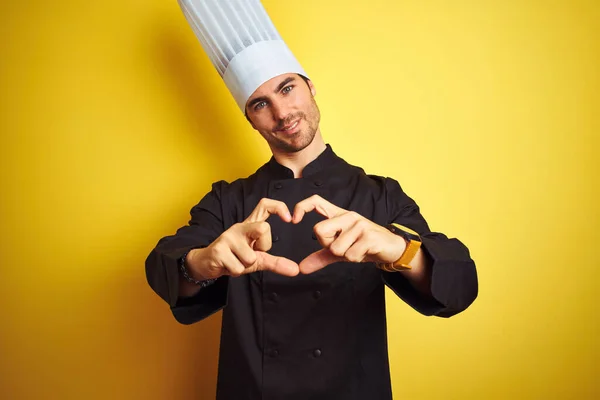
(317, 336)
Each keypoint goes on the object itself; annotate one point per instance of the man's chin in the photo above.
(294, 146)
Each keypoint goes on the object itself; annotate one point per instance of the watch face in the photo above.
(408, 233)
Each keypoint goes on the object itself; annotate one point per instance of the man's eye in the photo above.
(260, 105)
(285, 89)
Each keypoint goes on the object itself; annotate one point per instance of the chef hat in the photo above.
(241, 42)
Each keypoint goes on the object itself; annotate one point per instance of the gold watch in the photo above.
(413, 243)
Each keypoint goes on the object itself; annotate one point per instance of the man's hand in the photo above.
(346, 236)
(242, 249)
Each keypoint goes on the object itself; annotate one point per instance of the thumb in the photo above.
(279, 265)
(318, 260)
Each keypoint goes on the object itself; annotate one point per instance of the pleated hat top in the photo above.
(241, 42)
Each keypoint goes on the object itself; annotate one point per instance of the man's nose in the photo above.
(280, 111)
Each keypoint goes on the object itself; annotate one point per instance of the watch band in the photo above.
(413, 243)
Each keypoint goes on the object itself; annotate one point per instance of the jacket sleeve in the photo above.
(162, 268)
(453, 275)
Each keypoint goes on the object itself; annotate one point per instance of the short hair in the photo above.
(305, 79)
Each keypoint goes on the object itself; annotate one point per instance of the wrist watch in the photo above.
(413, 243)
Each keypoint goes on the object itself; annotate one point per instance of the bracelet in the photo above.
(187, 276)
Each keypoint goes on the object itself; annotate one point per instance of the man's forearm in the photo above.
(420, 273)
(187, 289)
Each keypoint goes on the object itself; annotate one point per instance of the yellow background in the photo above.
(114, 124)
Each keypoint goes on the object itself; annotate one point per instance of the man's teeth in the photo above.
(291, 127)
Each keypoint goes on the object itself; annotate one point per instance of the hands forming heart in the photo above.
(345, 236)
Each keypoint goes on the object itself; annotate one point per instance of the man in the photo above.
(297, 256)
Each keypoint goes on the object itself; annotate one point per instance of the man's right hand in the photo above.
(242, 249)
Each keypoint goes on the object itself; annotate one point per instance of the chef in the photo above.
(297, 255)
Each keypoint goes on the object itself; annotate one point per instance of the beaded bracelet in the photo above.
(187, 277)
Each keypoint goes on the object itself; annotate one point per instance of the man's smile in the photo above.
(290, 128)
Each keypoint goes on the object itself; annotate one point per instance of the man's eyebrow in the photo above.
(279, 87)
(285, 82)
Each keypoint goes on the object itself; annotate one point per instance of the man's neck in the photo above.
(300, 159)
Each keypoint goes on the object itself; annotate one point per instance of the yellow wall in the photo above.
(114, 124)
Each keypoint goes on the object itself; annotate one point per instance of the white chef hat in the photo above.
(241, 42)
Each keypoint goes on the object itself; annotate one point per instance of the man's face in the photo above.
(284, 111)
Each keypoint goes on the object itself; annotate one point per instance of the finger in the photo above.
(279, 265)
(259, 234)
(244, 253)
(318, 204)
(267, 207)
(345, 240)
(359, 251)
(318, 260)
(232, 265)
(328, 230)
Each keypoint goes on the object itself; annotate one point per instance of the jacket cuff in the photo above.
(206, 302)
(453, 278)
(453, 275)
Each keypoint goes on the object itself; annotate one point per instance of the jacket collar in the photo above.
(325, 160)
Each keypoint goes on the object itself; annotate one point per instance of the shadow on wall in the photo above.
(184, 358)
(210, 119)
(176, 361)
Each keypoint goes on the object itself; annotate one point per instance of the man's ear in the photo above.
(313, 90)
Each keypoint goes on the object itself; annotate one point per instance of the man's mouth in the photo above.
(289, 128)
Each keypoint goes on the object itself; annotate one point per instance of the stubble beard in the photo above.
(303, 138)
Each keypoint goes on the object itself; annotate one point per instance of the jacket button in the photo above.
(278, 186)
(273, 297)
(317, 353)
(318, 183)
(317, 294)
(275, 238)
(273, 353)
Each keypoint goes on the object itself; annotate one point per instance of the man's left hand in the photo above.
(346, 236)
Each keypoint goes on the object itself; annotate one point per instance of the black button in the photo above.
(314, 236)
(273, 353)
(317, 294)
(275, 238)
(318, 183)
(273, 296)
(317, 353)
(278, 186)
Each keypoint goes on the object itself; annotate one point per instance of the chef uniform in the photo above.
(316, 336)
